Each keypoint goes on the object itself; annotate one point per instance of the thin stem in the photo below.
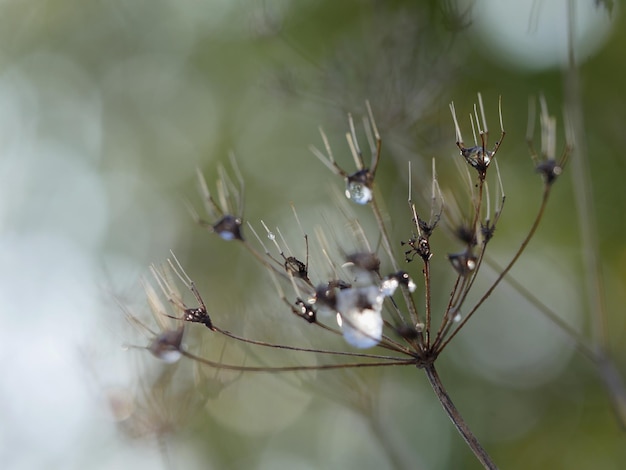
(452, 311)
(529, 236)
(427, 294)
(583, 193)
(219, 365)
(408, 299)
(300, 349)
(382, 226)
(585, 349)
(456, 418)
(468, 286)
(441, 332)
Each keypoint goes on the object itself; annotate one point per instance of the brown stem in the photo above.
(428, 301)
(272, 369)
(457, 419)
(408, 299)
(525, 242)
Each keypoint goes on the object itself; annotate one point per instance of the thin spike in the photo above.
(482, 113)
(256, 235)
(358, 160)
(457, 129)
(500, 114)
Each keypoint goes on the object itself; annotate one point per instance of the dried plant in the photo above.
(359, 293)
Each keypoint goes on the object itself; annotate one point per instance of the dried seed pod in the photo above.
(166, 346)
(464, 263)
(359, 185)
(227, 209)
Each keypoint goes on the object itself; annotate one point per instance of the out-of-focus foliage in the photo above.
(106, 110)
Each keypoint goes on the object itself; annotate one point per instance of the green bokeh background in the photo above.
(180, 85)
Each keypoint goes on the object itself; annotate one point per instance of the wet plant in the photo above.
(370, 296)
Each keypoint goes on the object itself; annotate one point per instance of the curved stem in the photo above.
(525, 242)
(408, 299)
(457, 419)
(585, 349)
(272, 369)
(301, 349)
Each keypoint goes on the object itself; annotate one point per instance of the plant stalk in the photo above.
(456, 418)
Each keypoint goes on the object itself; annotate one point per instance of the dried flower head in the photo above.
(479, 156)
(359, 293)
(546, 162)
(226, 211)
(360, 184)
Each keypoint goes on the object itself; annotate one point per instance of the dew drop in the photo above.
(226, 235)
(359, 315)
(457, 318)
(169, 356)
(358, 192)
(271, 236)
(388, 287)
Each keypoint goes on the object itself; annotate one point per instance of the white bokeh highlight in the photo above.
(532, 34)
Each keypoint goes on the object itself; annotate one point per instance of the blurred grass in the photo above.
(182, 84)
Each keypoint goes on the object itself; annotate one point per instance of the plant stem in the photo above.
(525, 242)
(457, 419)
(583, 194)
(382, 226)
(614, 383)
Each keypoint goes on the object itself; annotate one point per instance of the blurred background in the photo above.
(108, 107)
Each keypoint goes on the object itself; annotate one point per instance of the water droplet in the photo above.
(457, 318)
(228, 228)
(169, 356)
(226, 235)
(271, 236)
(358, 192)
(359, 315)
(388, 287)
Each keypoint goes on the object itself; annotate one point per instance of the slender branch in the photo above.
(301, 349)
(442, 330)
(408, 299)
(587, 224)
(583, 193)
(456, 418)
(219, 365)
(585, 349)
(529, 236)
(427, 294)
